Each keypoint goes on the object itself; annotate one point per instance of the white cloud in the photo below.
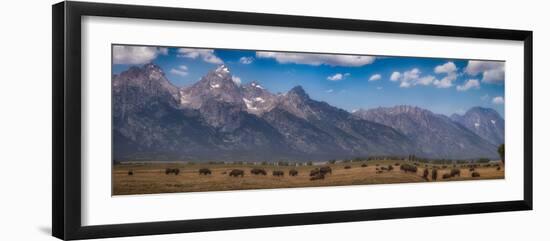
(180, 70)
(498, 100)
(408, 78)
(492, 71)
(484, 97)
(426, 80)
(236, 80)
(318, 59)
(338, 76)
(207, 55)
(329, 91)
(246, 60)
(471, 83)
(136, 54)
(395, 76)
(411, 75)
(449, 69)
(375, 77)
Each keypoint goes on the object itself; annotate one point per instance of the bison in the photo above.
(325, 170)
(455, 172)
(446, 176)
(278, 173)
(174, 171)
(293, 173)
(409, 168)
(434, 174)
(236, 173)
(363, 165)
(318, 176)
(347, 167)
(426, 173)
(205, 171)
(130, 173)
(475, 174)
(498, 168)
(258, 171)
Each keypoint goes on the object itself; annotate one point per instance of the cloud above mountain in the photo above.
(491, 71)
(207, 55)
(318, 59)
(136, 54)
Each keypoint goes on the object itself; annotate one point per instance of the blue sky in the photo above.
(350, 82)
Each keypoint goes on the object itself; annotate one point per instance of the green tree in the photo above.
(501, 152)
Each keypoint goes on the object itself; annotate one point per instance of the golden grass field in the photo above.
(149, 178)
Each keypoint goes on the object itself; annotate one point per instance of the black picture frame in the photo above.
(66, 157)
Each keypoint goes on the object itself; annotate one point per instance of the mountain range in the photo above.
(218, 119)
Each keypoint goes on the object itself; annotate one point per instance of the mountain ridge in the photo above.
(217, 119)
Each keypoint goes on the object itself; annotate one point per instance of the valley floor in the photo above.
(150, 178)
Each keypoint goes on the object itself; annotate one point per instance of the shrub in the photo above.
(390, 167)
(434, 174)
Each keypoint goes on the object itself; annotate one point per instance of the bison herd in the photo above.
(320, 173)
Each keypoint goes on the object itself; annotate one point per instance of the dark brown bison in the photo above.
(378, 172)
(447, 176)
(325, 170)
(236, 173)
(293, 173)
(347, 167)
(396, 164)
(409, 168)
(278, 173)
(317, 176)
(363, 165)
(258, 171)
(426, 173)
(434, 174)
(205, 171)
(390, 167)
(476, 174)
(174, 171)
(314, 172)
(472, 169)
(130, 173)
(498, 168)
(455, 172)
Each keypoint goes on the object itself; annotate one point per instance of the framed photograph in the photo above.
(169, 120)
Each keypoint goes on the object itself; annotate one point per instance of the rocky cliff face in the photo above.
(485, 122)
(436, 136)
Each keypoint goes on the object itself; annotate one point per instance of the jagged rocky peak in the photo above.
(149, 78)
(298, 91)
(257, 99)
(215, 85)
(485, 122)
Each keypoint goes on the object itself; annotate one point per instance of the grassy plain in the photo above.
(149, 178)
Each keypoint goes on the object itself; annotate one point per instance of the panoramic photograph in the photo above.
(188, 119)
